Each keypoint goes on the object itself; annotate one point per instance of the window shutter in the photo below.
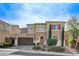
(59, 27)
(52, 27)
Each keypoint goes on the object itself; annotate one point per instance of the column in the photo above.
(16, 41)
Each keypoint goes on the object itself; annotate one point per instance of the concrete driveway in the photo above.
(6, 52)
(22, 47)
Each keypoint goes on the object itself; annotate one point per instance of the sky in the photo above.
(29, 13)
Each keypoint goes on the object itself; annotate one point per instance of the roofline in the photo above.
(4, 22)
(56, 21)
(29, 24)
(39, 23)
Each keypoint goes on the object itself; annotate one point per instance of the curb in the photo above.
(48, 53)
(71, 50)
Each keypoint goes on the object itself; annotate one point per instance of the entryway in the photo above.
(12, 40)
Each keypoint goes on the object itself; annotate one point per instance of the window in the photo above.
(41, 28)
(55, 37)
(31, 28)
(56, 27)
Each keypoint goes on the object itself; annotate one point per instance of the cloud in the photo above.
(34, 13)
(23, 14)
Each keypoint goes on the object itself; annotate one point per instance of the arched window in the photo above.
(41, 37)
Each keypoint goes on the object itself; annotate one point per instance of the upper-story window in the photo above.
(56, 27)
(31, 28)
(42, 28)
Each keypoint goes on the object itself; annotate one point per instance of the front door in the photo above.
(41, 40)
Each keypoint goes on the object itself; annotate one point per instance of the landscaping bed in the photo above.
(5, 45)
(57, 49)
(36, 47)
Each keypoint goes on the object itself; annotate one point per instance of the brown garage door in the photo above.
(25, 41)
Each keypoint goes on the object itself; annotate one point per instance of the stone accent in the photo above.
(38, 37)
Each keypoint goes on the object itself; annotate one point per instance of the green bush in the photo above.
(1, 45)
(66, 43)
(37, 43)
(36, 47)
(6, 45)
(73, 42)
(57, 49)
(34, 44)
(52, 42)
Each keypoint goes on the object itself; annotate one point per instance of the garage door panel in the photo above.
(25, 41)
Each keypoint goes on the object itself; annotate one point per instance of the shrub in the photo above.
(6, 45)
(57, 49)
(52, 42)
(34, 44)
(37, 43)
(66, 42)
(73, 42)
(36, 47)
(1, 45)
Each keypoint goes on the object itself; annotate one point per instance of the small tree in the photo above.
(62, 40)
(73, 27)
(52, 42)
(49, 32)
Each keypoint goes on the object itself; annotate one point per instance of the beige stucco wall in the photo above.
(15, 30)
(38, 35)
(1, 26)
(53, 23)
(40, 31)
(54, 32)
(7, 30)
(40, 28)
(30, 29)
(3, 35)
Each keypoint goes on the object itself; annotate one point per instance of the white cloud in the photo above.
(35, 13)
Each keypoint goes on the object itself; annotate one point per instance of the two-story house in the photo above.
(38, 33)
(7, 30)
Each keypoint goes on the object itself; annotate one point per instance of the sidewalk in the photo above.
(48, 53)
(11, 50)
(71, 50)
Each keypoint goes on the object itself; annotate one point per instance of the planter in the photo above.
(36, 47)
(57, 49)
(73, 46)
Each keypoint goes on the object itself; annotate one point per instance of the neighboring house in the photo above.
(7, 30)
(38, 33)
(23, 30)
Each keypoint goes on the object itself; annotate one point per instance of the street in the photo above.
(31, 54)
(28, 51)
